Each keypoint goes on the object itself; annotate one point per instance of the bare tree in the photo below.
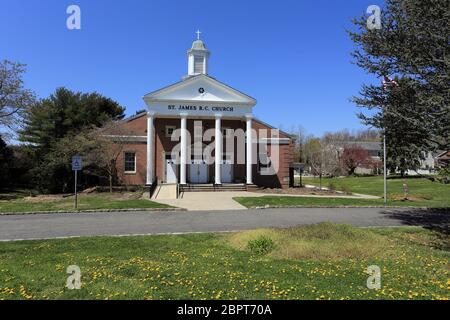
(110, 141)
(99, 148)
(14, 99)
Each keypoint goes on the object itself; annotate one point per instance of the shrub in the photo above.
(444, 175)
(346, 189)
(261, 245)
(332, 186)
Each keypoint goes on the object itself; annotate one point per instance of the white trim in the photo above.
(151, 97)
(218, 149)
(125, 162)
(116, 138)
(249, 147)
(279, 141)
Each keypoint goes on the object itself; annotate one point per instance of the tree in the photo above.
(6, 158)
(140, 111)
(314, 157)
(63, 115)
(14, 98)
(66, 113)
(110, 142)
(99, 147)
(354, 157)
(299, 139)
(413, 45)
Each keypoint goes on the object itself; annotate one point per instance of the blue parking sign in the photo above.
(77, 163)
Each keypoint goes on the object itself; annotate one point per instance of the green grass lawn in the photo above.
(322, 261)
(253, 202)
(85, 202)
(422, 193)
(426, 192)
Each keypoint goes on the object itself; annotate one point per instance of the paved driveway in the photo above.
(43, 226)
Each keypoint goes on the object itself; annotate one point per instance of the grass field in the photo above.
(21, 203)
(422, 193)
(322, 261)
(254, 202)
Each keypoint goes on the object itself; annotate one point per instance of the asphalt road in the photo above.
(47, 226)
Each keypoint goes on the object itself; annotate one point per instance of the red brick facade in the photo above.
(163, 144)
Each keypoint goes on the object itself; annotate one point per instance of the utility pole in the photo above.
(384, 167)
(388, 83)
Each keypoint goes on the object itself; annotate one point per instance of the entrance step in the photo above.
(212, 187)
(165, 192)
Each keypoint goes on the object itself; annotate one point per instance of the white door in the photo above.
(226, 169)
(198, 172)
(171, 171)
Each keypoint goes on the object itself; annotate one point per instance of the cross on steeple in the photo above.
(198, 34)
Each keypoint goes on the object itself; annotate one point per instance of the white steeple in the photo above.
(198, 57)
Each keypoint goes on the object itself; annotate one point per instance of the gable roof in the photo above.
(367, 145)
(233, 94)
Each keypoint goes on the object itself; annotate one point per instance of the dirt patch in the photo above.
(45, 198)
(409, 198)
(302, 191)
(58, 197)
(324, 241)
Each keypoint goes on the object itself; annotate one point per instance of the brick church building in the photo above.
(175, 142)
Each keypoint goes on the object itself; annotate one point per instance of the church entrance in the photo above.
(226, 168)
(198, 171)
(170, 170)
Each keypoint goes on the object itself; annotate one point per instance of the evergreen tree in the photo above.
(63, 115)
(6, 159)
(413, 45)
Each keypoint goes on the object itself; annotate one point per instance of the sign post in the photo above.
(76, 166)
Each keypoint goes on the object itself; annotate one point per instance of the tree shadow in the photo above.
(433, 219)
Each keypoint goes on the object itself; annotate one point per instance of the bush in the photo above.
(346, 189)
(261, 245)
(444, 175)
(332, 186)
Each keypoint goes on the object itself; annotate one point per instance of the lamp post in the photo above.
(384, 167)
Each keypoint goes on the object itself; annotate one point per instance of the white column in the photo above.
(183, 151)
(150, 148)
(218, 150)
(249, 160)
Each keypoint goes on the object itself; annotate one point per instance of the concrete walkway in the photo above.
(207, 201)
(202, 201)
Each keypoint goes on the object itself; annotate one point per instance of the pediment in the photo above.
(190, 89)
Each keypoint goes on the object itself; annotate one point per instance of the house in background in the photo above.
(443, 159)
(374, 149)
(427, 164)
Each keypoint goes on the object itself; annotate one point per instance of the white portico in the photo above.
(197, 97)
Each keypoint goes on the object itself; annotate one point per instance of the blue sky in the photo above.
(292, 56)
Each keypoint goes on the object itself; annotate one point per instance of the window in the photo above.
(264, 163)
(130, 162)
(169, 131)
(198, 64)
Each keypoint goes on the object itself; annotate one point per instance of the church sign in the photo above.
(200, 108)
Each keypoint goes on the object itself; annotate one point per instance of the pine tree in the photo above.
(413, 45)
(63, 115)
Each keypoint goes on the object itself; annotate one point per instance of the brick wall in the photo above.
(163, 144)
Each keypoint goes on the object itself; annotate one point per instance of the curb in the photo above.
(331, 207)
(90, 211)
